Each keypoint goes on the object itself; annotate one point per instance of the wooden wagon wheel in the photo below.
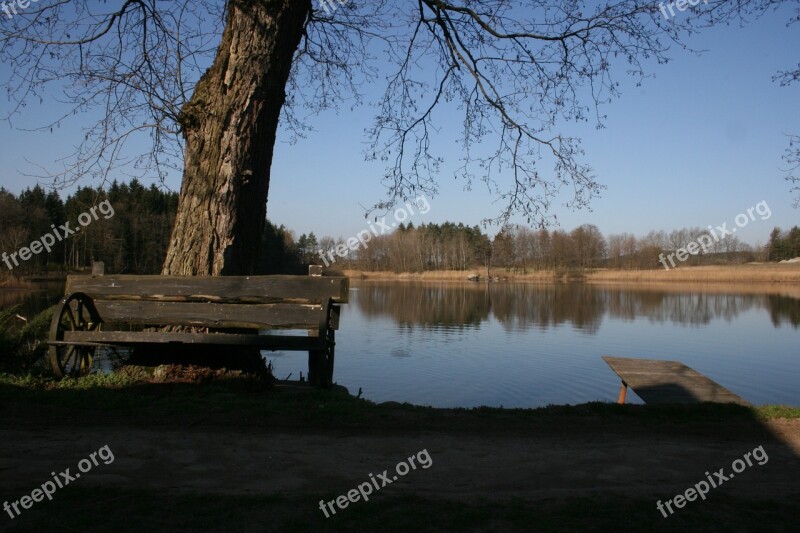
(320, 362)
(75, 312)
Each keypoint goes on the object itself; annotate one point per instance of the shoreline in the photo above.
(768, 273)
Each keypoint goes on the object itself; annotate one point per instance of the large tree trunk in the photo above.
(230, 126)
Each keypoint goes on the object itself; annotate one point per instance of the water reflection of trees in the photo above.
(680, 308)
(544, 306)
(32, 298)
(523, 306)
(784, 308)
(410, 304)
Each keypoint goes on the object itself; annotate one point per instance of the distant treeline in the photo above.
(783, 244)
(451, 246)
(135, 240)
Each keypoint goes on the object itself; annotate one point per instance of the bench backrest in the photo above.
(261, 302)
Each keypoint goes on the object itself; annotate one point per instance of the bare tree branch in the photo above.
(130, 68)
(792, 158)
(516, 73)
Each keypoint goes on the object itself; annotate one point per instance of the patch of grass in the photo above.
(92, 381)
(769, 412)
(96, 380)
(114, 399)
(22, 349)
(650, 413)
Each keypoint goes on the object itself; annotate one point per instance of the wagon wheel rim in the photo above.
(75, 312)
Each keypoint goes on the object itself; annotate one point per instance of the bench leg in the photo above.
(623, 391)
(330, 357)
(320, 363)
(315, 367)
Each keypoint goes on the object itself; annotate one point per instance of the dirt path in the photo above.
(464, 466)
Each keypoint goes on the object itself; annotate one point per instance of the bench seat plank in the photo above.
(212, 315)
(271, 342)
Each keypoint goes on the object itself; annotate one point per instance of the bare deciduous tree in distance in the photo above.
(210, 84)
(792, 158)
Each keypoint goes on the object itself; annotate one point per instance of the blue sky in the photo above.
(696, 144)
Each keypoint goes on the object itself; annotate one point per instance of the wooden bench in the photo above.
(229, 310)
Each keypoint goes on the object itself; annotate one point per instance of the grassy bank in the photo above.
(113, 399)
(750, 273)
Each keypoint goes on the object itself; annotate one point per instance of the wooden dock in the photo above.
(657, 381)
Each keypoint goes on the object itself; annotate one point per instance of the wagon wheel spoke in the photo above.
(79, 313)
(75, 361)
(65, 359)
(86, 361)
(69, 315)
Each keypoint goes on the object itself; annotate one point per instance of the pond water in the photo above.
(31, 298)
(530, 345)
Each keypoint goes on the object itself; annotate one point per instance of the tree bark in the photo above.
(230, 125)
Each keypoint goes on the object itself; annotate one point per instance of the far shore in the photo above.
(766, 273)
(781, 273)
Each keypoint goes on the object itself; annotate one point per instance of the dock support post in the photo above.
(623, 391)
